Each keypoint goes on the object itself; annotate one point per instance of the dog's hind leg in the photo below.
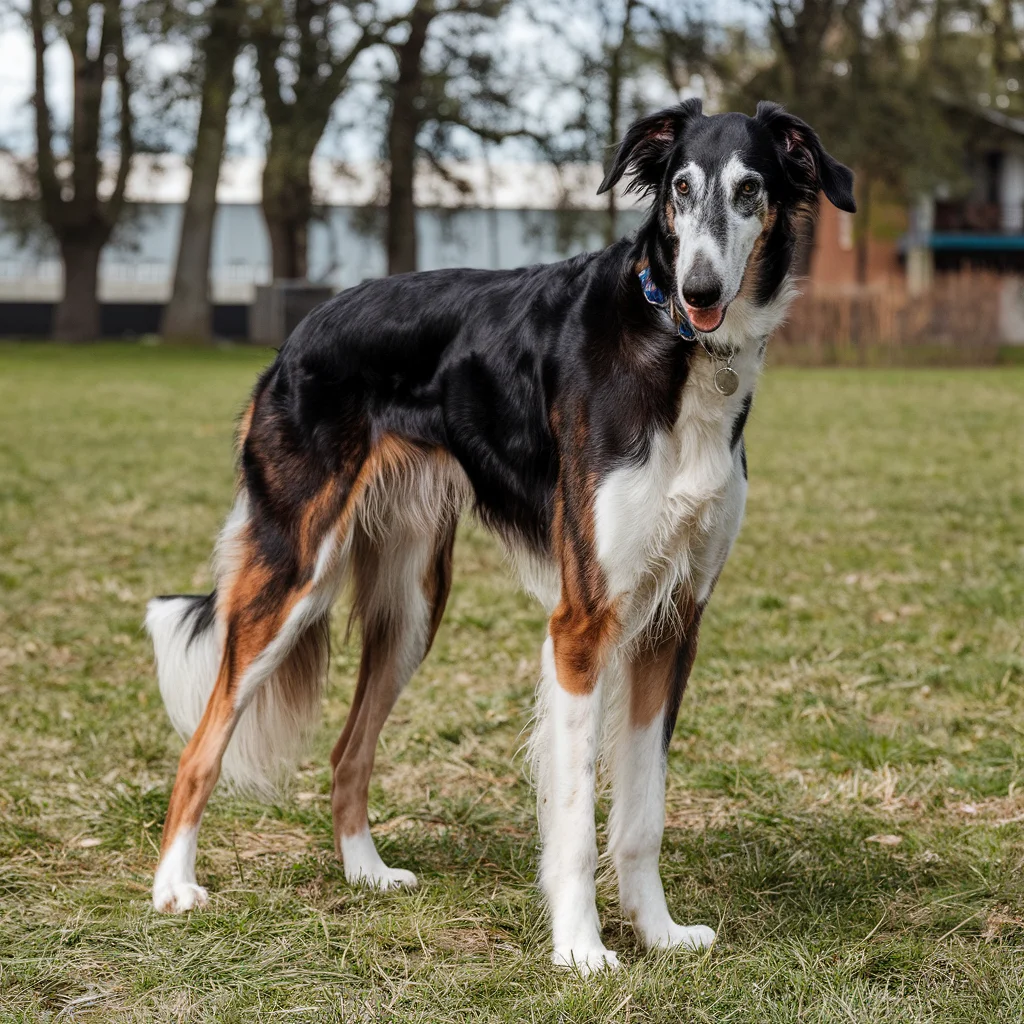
(402, 578)
(657, 673)
(274, 629)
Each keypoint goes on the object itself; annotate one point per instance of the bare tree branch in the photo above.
(126, 137)
(49, 186)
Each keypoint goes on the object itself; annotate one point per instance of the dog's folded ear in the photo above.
(804, 159)
(647, 145)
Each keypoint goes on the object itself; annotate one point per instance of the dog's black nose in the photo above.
(701, 286)
(702, 291)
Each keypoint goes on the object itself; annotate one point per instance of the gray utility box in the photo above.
(280, 306)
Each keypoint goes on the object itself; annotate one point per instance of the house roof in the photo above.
(993, 117)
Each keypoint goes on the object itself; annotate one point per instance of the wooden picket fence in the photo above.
(955, 322)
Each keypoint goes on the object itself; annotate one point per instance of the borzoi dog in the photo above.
(591, 412)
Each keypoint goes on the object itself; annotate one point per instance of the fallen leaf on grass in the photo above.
(884, 839)
(998, 922)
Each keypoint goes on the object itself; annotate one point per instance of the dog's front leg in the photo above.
(565, 755)
(658, 673)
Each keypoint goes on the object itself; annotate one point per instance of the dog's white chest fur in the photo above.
(671, 518)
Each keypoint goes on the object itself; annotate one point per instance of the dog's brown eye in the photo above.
(683, 187)
(748, 188)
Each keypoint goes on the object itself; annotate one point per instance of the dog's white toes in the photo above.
(179, 897)
(363, 865)
(383, 878)
(586, 961)
(695, 937)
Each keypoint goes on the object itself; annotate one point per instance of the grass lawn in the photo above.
(846, 781)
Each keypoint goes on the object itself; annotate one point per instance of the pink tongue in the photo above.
(706, 319)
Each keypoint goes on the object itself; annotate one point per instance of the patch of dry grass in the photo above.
(844, 788)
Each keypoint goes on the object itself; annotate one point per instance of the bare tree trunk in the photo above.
(189, 314)
(288, 244)
(78, 312)
(800, 29)
(288, 207)
(403, 128)
(316, 78)
(615, 76)
(82, 221)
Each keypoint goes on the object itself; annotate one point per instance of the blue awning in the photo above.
(964, 242)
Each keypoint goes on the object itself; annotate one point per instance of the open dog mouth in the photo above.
(707, 319)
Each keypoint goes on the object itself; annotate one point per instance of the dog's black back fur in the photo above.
(472, 361)
(511, 371)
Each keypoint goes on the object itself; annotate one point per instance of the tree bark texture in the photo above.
(71, 206)
(615, 77)
(403, 128)
(77, 317)
(189, 314)
(288, 204)
(298, 122)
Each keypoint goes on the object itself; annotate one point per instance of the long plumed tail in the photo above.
(188, 639)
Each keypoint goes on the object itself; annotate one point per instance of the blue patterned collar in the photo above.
(726, 379)
(656, 297)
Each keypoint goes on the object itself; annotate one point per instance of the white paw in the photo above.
(178, 897)
(363, 865)
(382, 878)
(696, 937)
(586, 961)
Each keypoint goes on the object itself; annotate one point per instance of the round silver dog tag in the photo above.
(727, 380)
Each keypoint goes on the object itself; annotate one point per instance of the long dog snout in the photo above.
(702, 287)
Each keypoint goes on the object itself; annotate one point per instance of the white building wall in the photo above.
(345, 247)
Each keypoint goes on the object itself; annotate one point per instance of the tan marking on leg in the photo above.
(376, 694)
(254, 615)
(384, 627)
(254, 606)
(377, 690)
(651, 673)
(247, 636)
(581, 640)
(437, 583)
(199, 767)
(585, 622)
(661, 665)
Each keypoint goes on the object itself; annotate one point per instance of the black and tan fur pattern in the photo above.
(527, 394)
